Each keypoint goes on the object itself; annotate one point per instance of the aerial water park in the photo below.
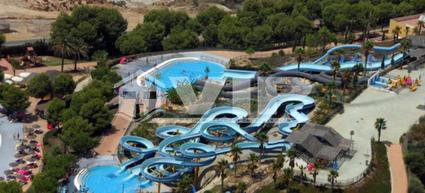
(182, 149)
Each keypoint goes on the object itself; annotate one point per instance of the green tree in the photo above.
(332, 178)
(396, 33)
(105, 74)
(315, 172)
(380, 124)
(101, 57)
(265, 68)
(40, 86)
(262, 140)
(253, 159)
(405, 46)
(76, 133)
(54, 111)
(222, 166)
(235, 151)
(336, 66)
(212, 15)
(79, 50)
(275, 168)
(288, 174)
(367, 48)
(61, 38)
(241, 187)
(259, 36)
(13, 99)
(299, 53)
(180, 39)
(97, 114)
(63, 84)
(10, 187)
(326, 37)
(231, 32)
(168, 18)
(292, 155)
(184, 184)
(43, 183)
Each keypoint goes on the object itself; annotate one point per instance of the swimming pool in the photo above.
(108, 179)
(191, 70)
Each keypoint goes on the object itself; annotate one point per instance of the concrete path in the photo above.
(400, 111)
(399, 182)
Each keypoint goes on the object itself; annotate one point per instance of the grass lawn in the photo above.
(54, 61)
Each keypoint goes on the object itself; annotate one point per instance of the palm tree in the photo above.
(302, 168)
(235, 151)
(332, 176)
(335, 68)
(367, 48)
(276, 168)
(407, 30)
(396, 33)
(346, 78)
(241, 187)
(159, 174)
(79, 50)
(315, 172)
(380, 124)
(280, 160)
(184, 184)
(264, 69)
(421, 24)
(222, 166)
(405, 46)
(292, 155)
(262, 139)
(288, 174)
(62, 47)
(299, 53)
(253, 158)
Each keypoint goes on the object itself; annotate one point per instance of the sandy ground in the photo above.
(399, 182)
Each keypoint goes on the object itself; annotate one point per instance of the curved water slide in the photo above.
(318, 66)
(192, 153)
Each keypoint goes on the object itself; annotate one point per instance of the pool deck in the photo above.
(8, 143)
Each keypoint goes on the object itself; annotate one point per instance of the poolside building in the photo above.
(317, 142)
(407, 24)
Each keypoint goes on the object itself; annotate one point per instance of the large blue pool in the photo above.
(192, 70)
(106, 179)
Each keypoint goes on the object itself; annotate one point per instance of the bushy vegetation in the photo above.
(416, 153)
(264, 24)
(13, 99)
(78, 121)
(146, 130)
(10, 187)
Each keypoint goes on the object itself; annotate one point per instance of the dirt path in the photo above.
(69, 67)
(399, 182)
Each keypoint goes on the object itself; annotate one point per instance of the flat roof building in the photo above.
(408, 24)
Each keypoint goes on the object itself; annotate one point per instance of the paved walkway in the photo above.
(400, 111)
(399, 182)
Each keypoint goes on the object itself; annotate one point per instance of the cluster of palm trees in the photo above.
(69, 47)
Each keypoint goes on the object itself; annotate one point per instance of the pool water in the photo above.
(192, 70)
(107, 179)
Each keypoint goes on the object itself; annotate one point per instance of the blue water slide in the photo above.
(373, 64)
(147, 146)
(276, 102)
(182, 148)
